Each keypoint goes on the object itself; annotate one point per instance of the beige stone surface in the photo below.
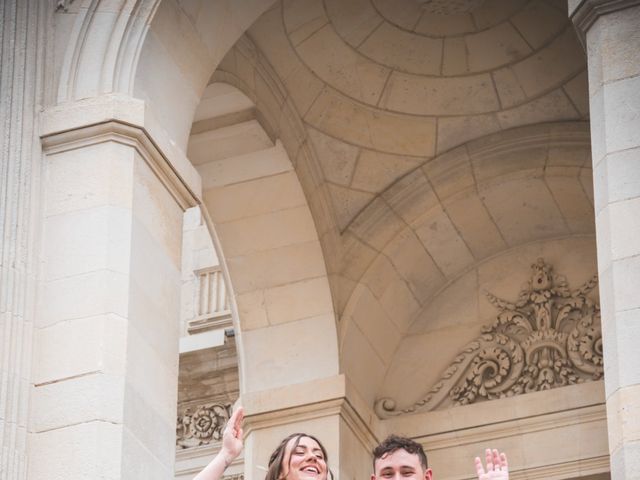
(495, 47)
(343, 68)
(421, 95)
(375, 171)
(403, 51)
(443, 242)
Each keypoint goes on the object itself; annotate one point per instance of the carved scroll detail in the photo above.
(548, 338)
(202, 425)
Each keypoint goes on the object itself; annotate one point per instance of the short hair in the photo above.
(395, 442)
(275, 470)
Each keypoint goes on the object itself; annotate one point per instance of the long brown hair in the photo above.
(275, 472)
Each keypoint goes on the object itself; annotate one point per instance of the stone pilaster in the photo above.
(21, 48)
(611, 34)
(107, 321)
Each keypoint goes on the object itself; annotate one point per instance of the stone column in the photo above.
(21, 49)
(610, 31)
(107, 324)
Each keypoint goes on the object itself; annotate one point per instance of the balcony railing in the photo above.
(213, 302)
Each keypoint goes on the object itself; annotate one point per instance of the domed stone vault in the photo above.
(433, 140)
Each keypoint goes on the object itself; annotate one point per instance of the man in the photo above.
(399, 458)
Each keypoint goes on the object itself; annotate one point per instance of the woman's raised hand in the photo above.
(232, 436)
(497, 466)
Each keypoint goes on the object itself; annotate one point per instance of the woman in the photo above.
(298, 457)
(302, 457)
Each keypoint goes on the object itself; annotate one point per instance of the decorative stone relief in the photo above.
(550, 337)
(202, 425)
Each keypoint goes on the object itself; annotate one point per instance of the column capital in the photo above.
(122, 120)
(584, 13)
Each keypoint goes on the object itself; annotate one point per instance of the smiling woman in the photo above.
(301, 456)
(298, 457)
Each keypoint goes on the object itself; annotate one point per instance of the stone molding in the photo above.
(550, 337)
(585, 14)
(132, 136)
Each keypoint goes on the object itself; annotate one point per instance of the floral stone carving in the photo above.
(202, 426)
(548, 338)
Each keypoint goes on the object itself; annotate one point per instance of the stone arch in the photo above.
(154, 60)
(265, 230)
(438, 223)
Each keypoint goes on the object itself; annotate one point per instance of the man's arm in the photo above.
(231, 448)
(497, 466)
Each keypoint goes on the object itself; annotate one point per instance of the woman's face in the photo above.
(305, 461)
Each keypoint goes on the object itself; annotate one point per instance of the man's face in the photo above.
(400, 465)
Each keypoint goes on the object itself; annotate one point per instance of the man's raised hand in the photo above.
(497, 466)
(232, 436)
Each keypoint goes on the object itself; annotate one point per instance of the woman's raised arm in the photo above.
(231, 448)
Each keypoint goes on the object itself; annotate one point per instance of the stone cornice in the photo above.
(125, 134)
(585, 13)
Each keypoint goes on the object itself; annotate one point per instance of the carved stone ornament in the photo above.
(548, 338)
(203, 425)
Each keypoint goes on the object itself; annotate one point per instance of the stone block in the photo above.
(450, 173)
(621, 114)
(470, 217)
(139, 462)
(623, 414)
(252, 310)
(93, 397)
(420, 95)
(266, 231)
(626, 278)
(523, 210)
(80, 346)
(295, 301)
(80, 296)
(443, 242)
(77, 452)
(90, 177)
(411, 196)
(624, 225)
(87, 240)
(366, 368)
(625, 462)
(572, 201)
(554, 106)
(375, 171)
(302, 358)
(342, 67)
(337, 158)
(231, 141)
(619, 177)
(242, 168)
(302, 19)
(404, 51)
(495, 47)
(620, 336)
(538, 22)
(354, 20)
(378, 329)
(254, 197)
(415, 265)
(377, 224)
(276, 267)
(336, 115)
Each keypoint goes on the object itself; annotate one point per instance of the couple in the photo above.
(303, 457)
